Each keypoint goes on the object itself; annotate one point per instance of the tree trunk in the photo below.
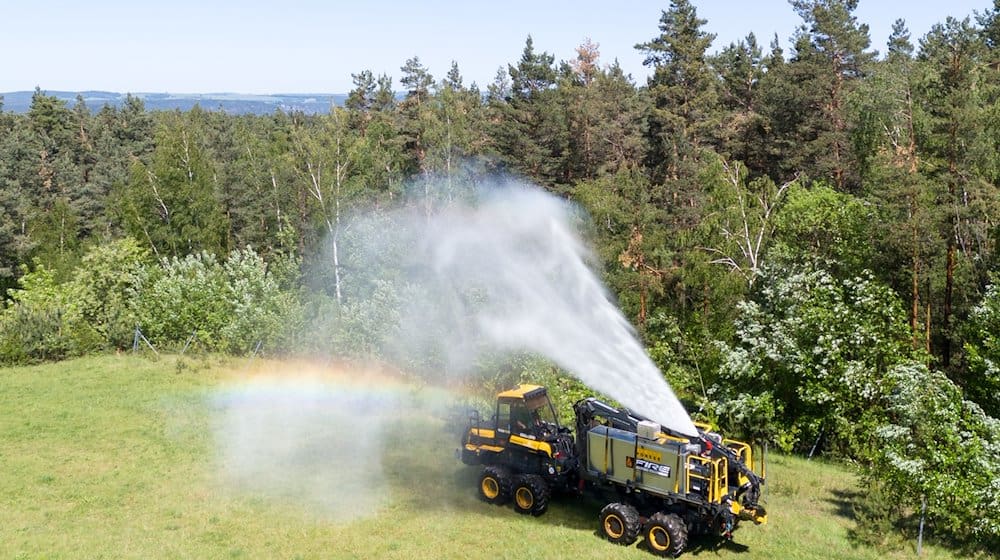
(949, 287)
(915, 309)
(927, 331)
(642, 302)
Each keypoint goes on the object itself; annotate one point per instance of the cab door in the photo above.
(503, 422)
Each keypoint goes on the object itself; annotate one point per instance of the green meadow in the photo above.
(115, 457)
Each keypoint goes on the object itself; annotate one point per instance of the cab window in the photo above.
(503, 417)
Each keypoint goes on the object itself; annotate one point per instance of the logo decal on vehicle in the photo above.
(649, 466)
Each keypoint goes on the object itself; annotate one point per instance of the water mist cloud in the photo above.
(305, 441)
(504, 270)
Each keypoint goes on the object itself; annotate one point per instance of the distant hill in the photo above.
(235, 103)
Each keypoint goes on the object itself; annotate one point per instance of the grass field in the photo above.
(119, 457)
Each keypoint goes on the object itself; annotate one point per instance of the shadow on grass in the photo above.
(699, 544)
(845, 503)
(879, 523)
(566, 509)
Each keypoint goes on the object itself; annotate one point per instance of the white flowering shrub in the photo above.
(260, 310)
(809, 358)
(934, 445)
(185, 296)
(982, 349)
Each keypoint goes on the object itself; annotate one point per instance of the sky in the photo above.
(313, 46)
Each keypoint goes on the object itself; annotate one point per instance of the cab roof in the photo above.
(523, 392)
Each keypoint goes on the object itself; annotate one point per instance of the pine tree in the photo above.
(741, 67)
(51, 179)
(361, 100)
(895, 180)
(10, 204)
(682, 133)
(830, 58)
(683, 92)
(455, 133)
(385, 98)
(604, 115)
(528, 121)
(413, 115)
(961, 156)
(362, 97)
(989, 22)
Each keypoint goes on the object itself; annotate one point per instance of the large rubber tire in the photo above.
(494, 485)
(620, 523)
(531, 494)
(666, 534)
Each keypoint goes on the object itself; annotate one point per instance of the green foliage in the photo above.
(830, 58)
(982, 348)
(359, 328)
(259, 310)
(228, 306)
(528, 125)
(185, 297)
(107, 287)
(830, 229)
(683, 90)
(810, 356)
(631, 238)
(932, 445)
(959, 153)
(43, 322)
(170, 202)
(741, 217)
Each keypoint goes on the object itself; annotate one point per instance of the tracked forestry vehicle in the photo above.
(657, 483)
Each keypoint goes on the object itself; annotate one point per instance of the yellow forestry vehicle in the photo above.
(656, 483)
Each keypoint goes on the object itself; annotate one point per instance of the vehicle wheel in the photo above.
(666, 534)
(531, 494)
(620, 523)
(494, 485)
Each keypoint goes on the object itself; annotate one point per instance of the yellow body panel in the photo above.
(493, 448)
(483, 433)
(665, 437)
(540, 446)
(758, 516)
(519, 391)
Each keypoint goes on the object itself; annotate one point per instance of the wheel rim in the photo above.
(524, 498)
(490, 487)
(659, 538)
(614, 527)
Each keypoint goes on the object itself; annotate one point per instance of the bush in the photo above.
(227, 306)
(260, 311)
(982, 349)
(933, 444)
(809, 358)
(184, 296)
(42, 322)
(106, 288)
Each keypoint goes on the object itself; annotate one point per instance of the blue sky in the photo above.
(252, 46)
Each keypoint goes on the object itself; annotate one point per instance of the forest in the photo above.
(805, 241)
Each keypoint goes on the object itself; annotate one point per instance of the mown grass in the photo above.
(113, 457)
